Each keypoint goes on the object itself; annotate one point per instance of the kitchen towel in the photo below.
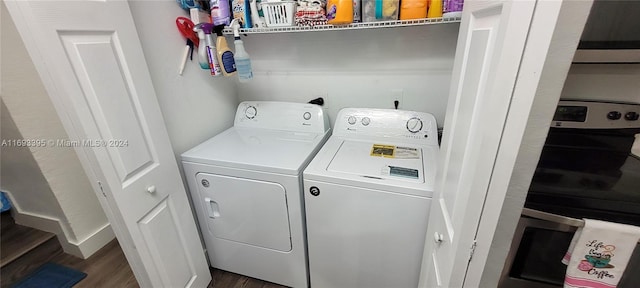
(635, 149)
(599, 253)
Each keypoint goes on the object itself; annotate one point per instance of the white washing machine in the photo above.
(367, 195)
(246, 187)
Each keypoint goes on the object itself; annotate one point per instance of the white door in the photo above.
(237, 207)
(89, 57)
(490, 46)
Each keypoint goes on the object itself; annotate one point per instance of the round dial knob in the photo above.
(414, 125)
(250, 112)
(306, 115)
(366, 121)
(351, 120)
(631, 116)
(614, 115)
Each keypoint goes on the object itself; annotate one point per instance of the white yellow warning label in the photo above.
(406, 153)
(390, 151)
(383, 150)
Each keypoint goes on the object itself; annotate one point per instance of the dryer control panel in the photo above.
(406, 126)
(297, 117)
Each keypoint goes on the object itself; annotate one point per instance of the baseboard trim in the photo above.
(47, 224)
(95, 241)
(82, 249)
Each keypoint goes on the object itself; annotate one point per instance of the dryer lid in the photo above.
(266, 150)
(379, 161)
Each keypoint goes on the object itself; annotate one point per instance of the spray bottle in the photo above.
(203, 59)
(225, 56)
(210, 49)
(241, 57)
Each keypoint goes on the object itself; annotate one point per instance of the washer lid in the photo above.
(379, 161)
(276, 151)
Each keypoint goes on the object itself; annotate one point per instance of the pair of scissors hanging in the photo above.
(185, 26)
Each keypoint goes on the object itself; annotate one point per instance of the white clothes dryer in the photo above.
(246, 186)
(367, 195)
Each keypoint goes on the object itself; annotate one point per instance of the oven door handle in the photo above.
(563, 220)
(553, 217)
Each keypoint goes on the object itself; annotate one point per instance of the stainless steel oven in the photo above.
(586, 170)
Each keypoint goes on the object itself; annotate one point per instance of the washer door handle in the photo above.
(212, 208)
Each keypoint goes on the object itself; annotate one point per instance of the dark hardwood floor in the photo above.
(106, 268)
(224, 279)
(18, 240)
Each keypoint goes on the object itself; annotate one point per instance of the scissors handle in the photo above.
(185, 26)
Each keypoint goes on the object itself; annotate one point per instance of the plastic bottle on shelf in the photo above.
(210, 49)
(241, 10)
(257, 17)
(380, 10)
(357, 11)
(220, 12)
(203, 58)
(339, 12)
(224, 54)
(452, 8)
(241, 57)
(413, 9)
(435, 9)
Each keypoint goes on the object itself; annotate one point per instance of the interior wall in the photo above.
(84, 228)
(21, 175)
(195, 105)
(613, 82)
(355, 68)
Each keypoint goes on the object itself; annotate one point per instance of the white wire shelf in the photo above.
(354, 26)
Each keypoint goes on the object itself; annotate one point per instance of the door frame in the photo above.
(535, 96)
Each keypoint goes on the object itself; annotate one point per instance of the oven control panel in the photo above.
(596, 115)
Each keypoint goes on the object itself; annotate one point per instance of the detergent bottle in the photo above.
(452, 8)
(220, 12)
(339, 12)
(224, 54)
(413, 9)
(435, 9)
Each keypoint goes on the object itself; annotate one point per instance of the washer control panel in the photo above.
(405, 125)
(299, 117)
